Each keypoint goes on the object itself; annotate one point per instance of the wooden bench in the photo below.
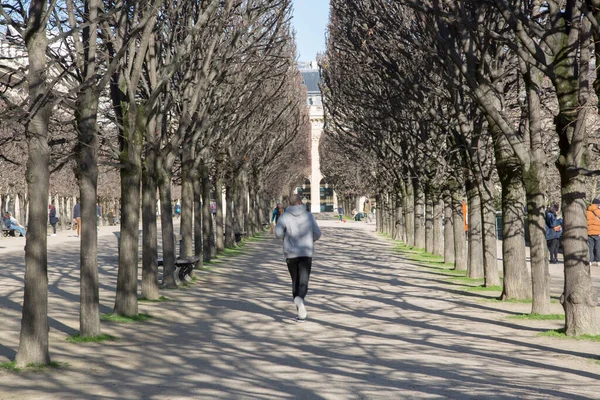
(184, 266)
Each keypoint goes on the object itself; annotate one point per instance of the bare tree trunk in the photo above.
(220, 242)
(448, 232)
(229, 231)
(33, 340)
(579, 297)
(490, 253)
(475, 265)
(63, 215)
(187, 204)
(149, 228)
(540, 273)
(198, 222)
(460, 241)
(252, 223)
(87, 173)
(438, 227)
(419, 216)
(245, 199)
(517, 281)
(127, 277)
(23, 209)
(399, 231)
(166, 224)
(409, 214)
(428, 223)
(207, 241)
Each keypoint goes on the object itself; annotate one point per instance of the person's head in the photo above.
(295, 200)
(596, 201)
(279, 205)
(554, 207)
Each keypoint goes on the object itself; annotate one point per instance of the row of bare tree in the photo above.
(435, 100)
(206, 93)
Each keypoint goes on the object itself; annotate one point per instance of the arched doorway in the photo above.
(326, 196)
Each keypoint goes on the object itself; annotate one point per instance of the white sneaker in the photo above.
(300, 306)
(54, 234)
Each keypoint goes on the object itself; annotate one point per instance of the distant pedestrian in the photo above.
(98, 214)
(112, 218)
(593, 226)
(277, 212)
(52, 218)
(299, 230)
(367, 211)
(77, 218)
(553, 232)
(177, 210)
(340, 211)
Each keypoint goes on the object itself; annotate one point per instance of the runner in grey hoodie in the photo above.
(299, 230)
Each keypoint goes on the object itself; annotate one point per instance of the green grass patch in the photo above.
(161, 299)
(227, 252)
(12, 366)
(482, 288)
(523, 301)
(76, 338)
(119, 318)
(466, 279)
(538, 317)
(560, 334)
(214, 261)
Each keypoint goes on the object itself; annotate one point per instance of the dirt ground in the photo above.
(379, 327)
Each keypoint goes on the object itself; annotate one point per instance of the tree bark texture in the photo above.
(399, 231)
(429, 223)
(490, 248)
(229, 220)
(419, 216)
(131, 158)
(461, 259)
(33, 340)
(187, 204)
(448, 232)
(475, 265)
(198, 222)
(206, 216)
(149, 229)
(164, 171)
(517, 281)
(438, 227)
(220, 239)
(579, 298)
(87, 174)
(540, 273)
(409, 214)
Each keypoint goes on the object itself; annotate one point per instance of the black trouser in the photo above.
(300, 272)
(553, 245)
(594, 244)
(54, 227)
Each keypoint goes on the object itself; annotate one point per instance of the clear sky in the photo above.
(310, 21)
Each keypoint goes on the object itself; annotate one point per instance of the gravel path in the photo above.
(379, 327)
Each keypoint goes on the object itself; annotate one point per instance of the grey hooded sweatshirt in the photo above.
(299, 230)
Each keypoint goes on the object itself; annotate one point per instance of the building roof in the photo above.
(311, 79)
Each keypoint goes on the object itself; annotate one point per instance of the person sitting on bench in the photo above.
(11, 223)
